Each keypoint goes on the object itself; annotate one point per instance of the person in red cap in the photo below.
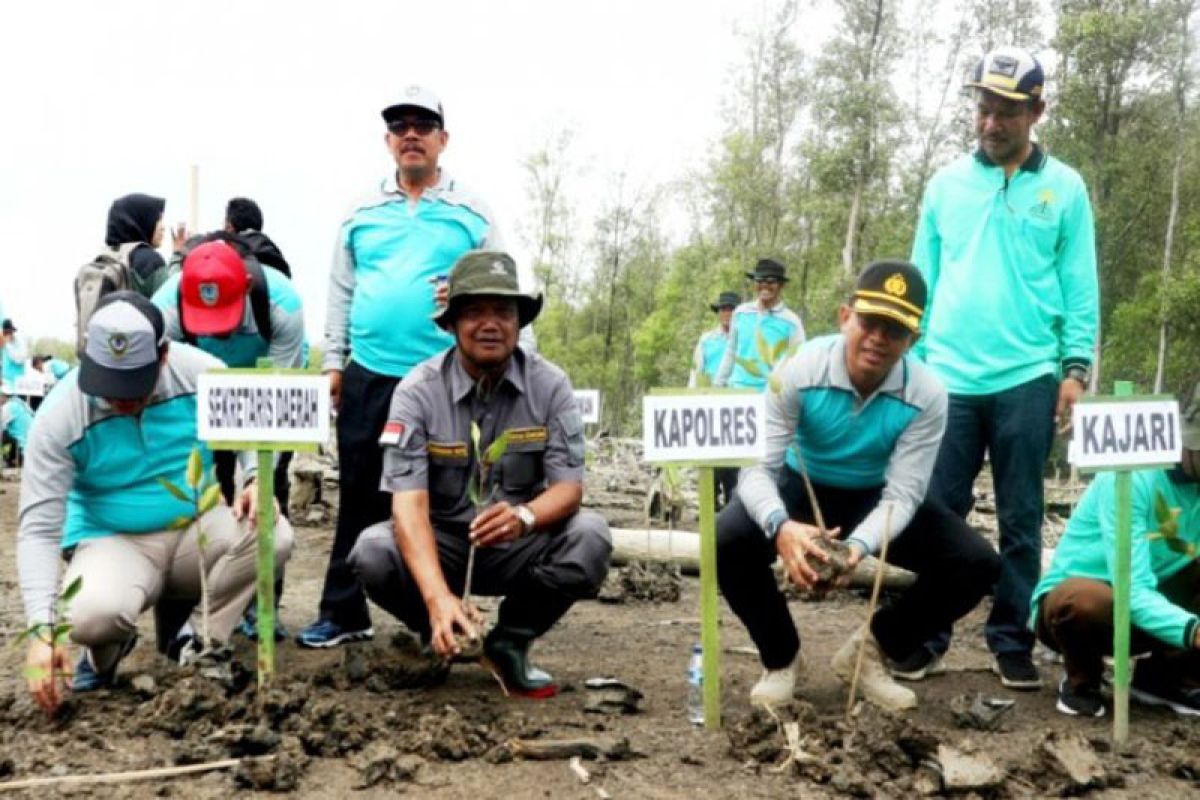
(230, 306)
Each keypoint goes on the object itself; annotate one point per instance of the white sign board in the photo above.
(30, 383)
(588, 403)
(1125, 434)
(704, 427)
(243, 407)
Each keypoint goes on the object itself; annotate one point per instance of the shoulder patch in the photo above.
(395, 433)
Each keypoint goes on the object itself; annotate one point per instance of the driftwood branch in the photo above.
(120, 777)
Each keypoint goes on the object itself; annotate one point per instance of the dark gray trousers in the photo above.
(540, 575)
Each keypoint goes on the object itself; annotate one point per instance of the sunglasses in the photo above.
(893, 331)
(423, 127)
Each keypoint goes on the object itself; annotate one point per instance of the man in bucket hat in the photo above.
(1073, 604)
(762, 324)
(1005, 241)
(91, 492)
(536, 546)
(706, 360)
(861, 419)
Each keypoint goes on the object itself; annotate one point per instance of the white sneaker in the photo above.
(775, 687)
(875, 682)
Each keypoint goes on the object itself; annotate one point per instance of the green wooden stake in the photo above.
(1121, 595)
(710, 636)
(266, 560)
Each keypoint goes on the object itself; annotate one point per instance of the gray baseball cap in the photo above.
(120, 354)
(417, 97)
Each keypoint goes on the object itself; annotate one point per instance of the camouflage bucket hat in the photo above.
(488, 273)
(1190, 419)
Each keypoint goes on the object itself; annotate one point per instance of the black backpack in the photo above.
(260, 297)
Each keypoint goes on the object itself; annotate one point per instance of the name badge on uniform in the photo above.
(395, 433)
(447, 450)
(527, 435)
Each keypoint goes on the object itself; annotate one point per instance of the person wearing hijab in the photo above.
(139, 218)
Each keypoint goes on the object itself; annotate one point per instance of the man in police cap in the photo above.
(861, 420)
(536, 546)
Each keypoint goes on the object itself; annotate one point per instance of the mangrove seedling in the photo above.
(1168, 528)
(481, 492)
(55, 633)
(203, 495)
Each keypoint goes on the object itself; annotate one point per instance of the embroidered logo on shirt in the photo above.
(896, 285)
(525, 435)
(1042, 209)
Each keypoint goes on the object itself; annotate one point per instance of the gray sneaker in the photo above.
(917, 667)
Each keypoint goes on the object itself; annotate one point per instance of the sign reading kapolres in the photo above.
(704, 427)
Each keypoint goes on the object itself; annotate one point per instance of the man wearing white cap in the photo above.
(393, 249)
(1005, 240)
(91, 493)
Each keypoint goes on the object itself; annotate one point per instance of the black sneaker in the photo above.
(917, 667)
(1016, 671)
(1178, 699)
(1085, 701)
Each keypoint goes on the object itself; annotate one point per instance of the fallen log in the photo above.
(683, 549)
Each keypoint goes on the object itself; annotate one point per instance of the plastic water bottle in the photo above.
(695, 693)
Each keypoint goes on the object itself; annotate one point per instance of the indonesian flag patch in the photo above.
(393, 433)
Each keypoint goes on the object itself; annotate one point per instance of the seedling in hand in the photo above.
(55, 634)
(479, 482)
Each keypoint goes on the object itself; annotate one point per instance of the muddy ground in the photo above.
(368, 725)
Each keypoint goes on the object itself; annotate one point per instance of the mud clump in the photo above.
(643, 581)
(279, 772)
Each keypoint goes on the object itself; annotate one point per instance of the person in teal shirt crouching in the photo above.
(1073, 603)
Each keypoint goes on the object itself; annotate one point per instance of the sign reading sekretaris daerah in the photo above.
(1141, 432)
(240, 406)
(699, 428)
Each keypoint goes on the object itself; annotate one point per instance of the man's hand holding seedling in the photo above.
(804, 550)
(451, 622)
(48, 673)
(496, 524)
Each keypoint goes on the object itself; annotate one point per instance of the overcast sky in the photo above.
(282, 105)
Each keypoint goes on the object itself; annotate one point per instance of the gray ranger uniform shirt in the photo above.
(427, 439)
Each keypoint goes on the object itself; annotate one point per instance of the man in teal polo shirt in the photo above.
(394, 248)
(1073, 604)
(1005, 240)
(761, 327)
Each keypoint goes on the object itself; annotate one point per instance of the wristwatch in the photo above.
(527, 517)
(1076, 372)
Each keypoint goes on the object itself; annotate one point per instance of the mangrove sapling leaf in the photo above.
(496, 450)
(195, 468)
(176, 492)
(210, 498)
(54, 633)
(475, 436)
(750, 365)
(68, 594)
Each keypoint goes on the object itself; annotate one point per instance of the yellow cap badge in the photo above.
(896, 285)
